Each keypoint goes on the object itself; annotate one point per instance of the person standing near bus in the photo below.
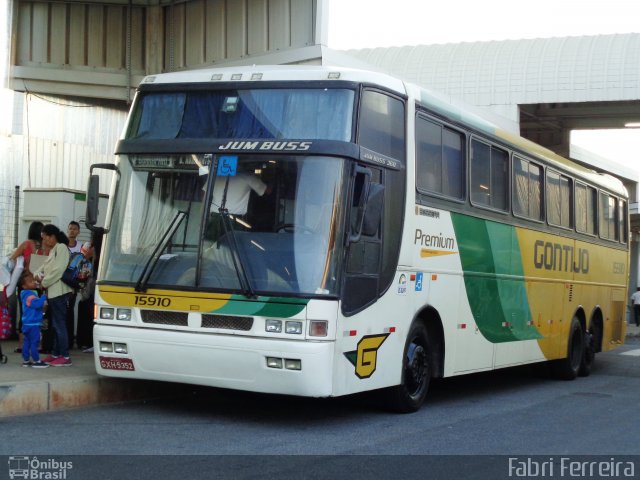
(75, 246)
(635, 303)
(58, 292)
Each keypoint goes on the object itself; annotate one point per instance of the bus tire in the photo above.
(409, 396)
(567, 368)
(589, 355)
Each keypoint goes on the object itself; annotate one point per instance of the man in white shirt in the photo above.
(635, 302)
(236, 202)
(238, 192)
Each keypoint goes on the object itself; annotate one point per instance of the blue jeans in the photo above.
(58, 307)
(30, 342)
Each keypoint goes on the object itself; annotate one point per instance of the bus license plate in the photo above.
(113, 363)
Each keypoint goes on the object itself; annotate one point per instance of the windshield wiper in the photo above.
(149, 267)
(241, 271)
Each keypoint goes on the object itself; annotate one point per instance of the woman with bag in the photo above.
(58, 292)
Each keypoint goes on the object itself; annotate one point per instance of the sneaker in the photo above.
(39, 365)
(28, 363)
(49, 359)
(88, 350)
(60, 362)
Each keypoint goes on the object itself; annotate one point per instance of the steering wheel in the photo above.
(291, 228)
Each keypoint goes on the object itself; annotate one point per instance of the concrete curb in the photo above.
(45, 396)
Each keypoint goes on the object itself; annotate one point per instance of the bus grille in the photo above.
(227, 322)
(165, 318)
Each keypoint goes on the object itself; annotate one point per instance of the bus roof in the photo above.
(438, 103)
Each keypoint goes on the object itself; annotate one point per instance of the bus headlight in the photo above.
(107, 313)
(273, 326)
(123, 314)
(293, 327)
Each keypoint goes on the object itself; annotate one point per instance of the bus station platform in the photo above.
(25, 390)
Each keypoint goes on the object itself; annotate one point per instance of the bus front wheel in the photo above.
(569, 367)
(416, 372)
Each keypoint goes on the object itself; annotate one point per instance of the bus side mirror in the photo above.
(373, 211)
(93, 197)
(93, 194)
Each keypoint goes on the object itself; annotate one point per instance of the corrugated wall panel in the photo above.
(116, 26)
(302, 23)
(91, 38)
(236, 36)
(95, 40)
(77, 35)
(257, 26)
(195, 33)
(215, 45)
(59, 32)
(280, 25)
(40, 33)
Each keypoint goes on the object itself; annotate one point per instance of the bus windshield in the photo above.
(258, 224)
(311, 113)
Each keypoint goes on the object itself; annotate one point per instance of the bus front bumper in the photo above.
(225, 361)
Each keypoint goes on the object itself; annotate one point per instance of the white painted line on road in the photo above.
(633, 353)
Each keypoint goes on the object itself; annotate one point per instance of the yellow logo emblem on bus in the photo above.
(366, 357)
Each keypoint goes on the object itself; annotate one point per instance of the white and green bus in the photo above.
(323, 231)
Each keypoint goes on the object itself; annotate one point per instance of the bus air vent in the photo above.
(227, 322)
(160, 317)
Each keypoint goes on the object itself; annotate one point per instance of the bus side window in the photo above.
(382, 124)
(439, 159)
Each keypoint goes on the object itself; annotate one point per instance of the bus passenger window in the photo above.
(489, 176)
(558, 199)
(440, 159)
(527, 189)
(586, 209)
(608, 217)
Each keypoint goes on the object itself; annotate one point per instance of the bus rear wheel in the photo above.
(569, 367)
(416, 373)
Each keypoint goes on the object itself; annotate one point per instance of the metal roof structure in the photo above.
(549, 86)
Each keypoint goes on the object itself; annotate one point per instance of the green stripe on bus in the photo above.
(263, 306)
(493, 277)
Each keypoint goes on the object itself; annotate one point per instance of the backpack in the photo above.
(78, 271)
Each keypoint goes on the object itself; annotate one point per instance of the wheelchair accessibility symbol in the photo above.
(227, 166)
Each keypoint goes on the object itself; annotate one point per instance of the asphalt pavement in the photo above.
(25, 390)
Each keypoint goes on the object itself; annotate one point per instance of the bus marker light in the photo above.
(462, 326)
(106, 347)
(390, 330)
(273, 362)
(293, 327)
(333, 75)
(123, 314)
(273, 326)
(120, 348)
(216, 76)
(318, 328)
(107, 313)
(434, 277)
(292, 364)
(236, 77)
(412, 277)
(256, 76)
(353, 333)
